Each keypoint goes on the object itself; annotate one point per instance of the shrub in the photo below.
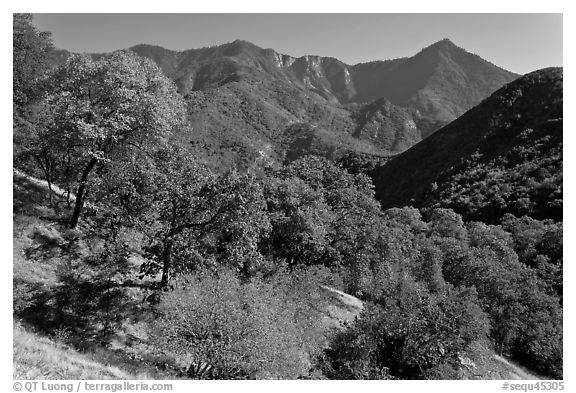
(252, 329)
(408, 334)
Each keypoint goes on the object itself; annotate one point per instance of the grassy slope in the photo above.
(38, 357)
(43, 351)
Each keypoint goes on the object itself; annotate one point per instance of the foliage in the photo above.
(431, 259)
(512, 294)
(190, 217)
(503, 156)
(95, 112)
(30, 54)
(319, 213)
(252, 329)
(539, 245)
(407, 334)
(355, 162)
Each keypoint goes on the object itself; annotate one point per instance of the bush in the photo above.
(27, 296)
(252, 329)
(410, 334)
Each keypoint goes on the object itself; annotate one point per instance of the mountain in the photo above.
(246, 102)
(502, 156)
(442, 81)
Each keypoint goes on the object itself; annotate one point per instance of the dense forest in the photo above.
(503, 156)
(220, 274)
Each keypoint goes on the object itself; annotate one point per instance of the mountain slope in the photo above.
(244, 100)
(442, 81)
(503, 156)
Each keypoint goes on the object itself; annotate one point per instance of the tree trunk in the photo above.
(45, 166)
(68, 195)
(67, 177)
(50, 203)
(80, 193)
(166, 263)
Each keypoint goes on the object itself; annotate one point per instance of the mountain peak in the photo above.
(239, 41)
(444, 44)
(241, 44)
(440, 49)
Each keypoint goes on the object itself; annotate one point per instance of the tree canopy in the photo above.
(98, 111)
(30, 54)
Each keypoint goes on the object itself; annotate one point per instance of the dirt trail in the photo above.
(516, 372)
(343, 308)
(346, 299)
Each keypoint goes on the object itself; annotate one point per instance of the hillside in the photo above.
(56, 338)
(39, 357)
(51, 335)
(503, 156)
(43, 350)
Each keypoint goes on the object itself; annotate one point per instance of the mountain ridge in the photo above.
(244, 99)
(418, 81)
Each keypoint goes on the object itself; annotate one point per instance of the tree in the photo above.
(446, 223)
(100, 110)
(238, 222)
(30, 62)
(30, 55)
(320, 214)
(189, 216)
(157, 194)
(525, 320)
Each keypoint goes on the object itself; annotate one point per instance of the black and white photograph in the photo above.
(286, 196)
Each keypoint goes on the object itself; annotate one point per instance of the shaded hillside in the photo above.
(503, 156)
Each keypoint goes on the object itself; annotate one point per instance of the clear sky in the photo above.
(518, 42)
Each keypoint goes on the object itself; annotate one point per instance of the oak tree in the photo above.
(99, 110)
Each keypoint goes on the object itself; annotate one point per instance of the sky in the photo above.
(517, 42)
